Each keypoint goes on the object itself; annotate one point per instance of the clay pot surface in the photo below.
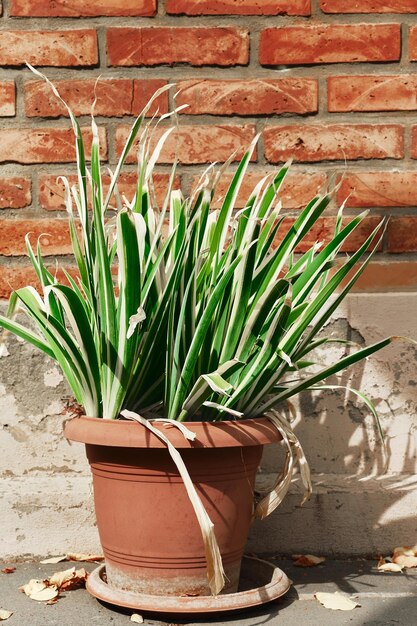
(148, 529)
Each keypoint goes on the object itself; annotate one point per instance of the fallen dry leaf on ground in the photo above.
(136, 618)
(73, 556)
(307, 560)
(336, 601)
(49, 589)
(8, 570)
(387, 566)
(69, 579)
(40, 590)
(87, 558)
(5, 614)
(55, 559)
(405, 556)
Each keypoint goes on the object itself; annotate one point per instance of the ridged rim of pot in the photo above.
(126, 434)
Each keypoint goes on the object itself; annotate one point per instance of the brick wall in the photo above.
(331, 83)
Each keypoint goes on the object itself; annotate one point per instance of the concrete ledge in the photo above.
(346, 516)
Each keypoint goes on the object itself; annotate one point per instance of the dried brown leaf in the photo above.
(5, 614)
(8, 570)
(387, 566)
(307, 560)
(336, 601)
(136, 618)
(405, 560)
(33, 586)
(87, 558)
(69, 579)
(55, 559)
(49, 593)
(58, 578)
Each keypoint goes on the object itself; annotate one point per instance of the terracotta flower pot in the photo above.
(148, 530)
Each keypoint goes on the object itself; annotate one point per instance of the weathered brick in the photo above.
(143, 90)
(297, 189)
(15, 192)
(323, 230)
(43, 145)
(368, 6)
(115, 97)
(248, 97)
(239, 7)
(196, 46)
(378, 189)
(413, 43)
(15, 276)
(330, 43)
(372, 93)
(402, 234)
(54, 233)
(49, 47)
(331, 142)
(197, 144)
(51, 190)
(414, 142)
(387, 276)
(7, 98)
(81, 8)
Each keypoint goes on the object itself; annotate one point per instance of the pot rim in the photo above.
(129, 434)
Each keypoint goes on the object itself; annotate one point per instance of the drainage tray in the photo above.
(260, 582)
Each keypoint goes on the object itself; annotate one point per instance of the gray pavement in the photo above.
(385, 598)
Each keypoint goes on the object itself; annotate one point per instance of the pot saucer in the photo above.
(260, 582)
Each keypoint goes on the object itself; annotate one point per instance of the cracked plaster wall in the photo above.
(46, 490)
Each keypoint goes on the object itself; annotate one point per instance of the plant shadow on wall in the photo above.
(214, 322)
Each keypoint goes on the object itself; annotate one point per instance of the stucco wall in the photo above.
(355, 509)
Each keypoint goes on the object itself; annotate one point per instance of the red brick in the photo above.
(197, 144)
(143, 90)
(51, 190)
(14, 277)
(368, 6)
(248, 97)
(43, 145)
(414, 142)
(297, 189)
(55, 237)
(330, 43)
(81, 8)
(196, 46)
(323, 230)
(7, 98)
(333, 142)
(378, 189)
(372, 93)
(15, 192)
(413, 43)
(50, 48)
(115, 97)
(239, 7)
(388, 276)
(402, 234)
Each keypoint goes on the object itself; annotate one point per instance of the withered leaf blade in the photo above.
(8, 570)
(307, 560)
(136, 618)
(5, 614)
(336, 601)
(48, 593)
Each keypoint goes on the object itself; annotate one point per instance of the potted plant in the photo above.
(181, 364)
